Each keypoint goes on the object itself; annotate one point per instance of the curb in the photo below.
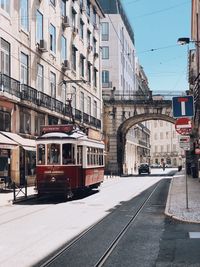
(173, 216)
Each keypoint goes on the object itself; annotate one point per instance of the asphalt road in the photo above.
(151, 240)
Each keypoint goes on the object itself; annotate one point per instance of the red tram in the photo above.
(68, 160)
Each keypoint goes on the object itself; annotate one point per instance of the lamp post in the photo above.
(69, 100)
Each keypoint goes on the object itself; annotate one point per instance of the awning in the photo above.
(27, 144)
(7, 143)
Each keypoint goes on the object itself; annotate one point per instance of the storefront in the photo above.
(22, 158)
(6, 145)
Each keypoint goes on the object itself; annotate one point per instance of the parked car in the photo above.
(144, 168)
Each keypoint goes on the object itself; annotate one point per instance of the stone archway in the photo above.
(126, 125)
(120, 136)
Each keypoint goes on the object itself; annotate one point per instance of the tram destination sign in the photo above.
(183, 106)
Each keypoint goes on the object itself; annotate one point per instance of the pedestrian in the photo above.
(163, 166)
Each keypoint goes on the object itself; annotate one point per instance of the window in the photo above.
(89, 105)
(95, 45)
(63, 7)
(39, 121)
(82, 101)
(88, 8)
(24, 14)
(53, 84)
(105, 76)
(53, 154)
(161, 135)
(73, 96)
(95, 77)
(41, 154)
(79, 154)
(25, 122)
(5, 4)
(88, 37)
(105, 52)
(89, 72)
(4, 57)
(5, 121)
(73, 17)
(39, 26)
(95, 109)
(24, 68)
(82, 58)
(81, 29)
(52, 38)
(53, 2)
(94, 16)
(74, 50)
(104, 31)
(63, 48)
(40, 77)
(68, 154)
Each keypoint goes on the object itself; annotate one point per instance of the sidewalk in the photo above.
(176, 206)
(7, 195)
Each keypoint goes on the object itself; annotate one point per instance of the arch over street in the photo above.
(120, 116)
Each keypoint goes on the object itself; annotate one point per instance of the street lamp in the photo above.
(69, 100)
(183, 40)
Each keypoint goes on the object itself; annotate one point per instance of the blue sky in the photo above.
(157, 24)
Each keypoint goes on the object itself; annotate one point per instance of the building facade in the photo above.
(164, 143)
(49, 73)
(122, 76)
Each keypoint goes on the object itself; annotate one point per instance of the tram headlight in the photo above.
(53, 179)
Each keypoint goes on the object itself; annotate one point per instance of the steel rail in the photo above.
(113, 244)
(123, 231)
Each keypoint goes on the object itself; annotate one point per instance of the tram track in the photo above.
(107, 233)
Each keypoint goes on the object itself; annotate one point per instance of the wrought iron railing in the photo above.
(9, 85)
(27, 93)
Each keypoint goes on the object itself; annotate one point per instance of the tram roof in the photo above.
(60, 135)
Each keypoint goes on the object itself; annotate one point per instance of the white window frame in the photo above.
(24, 16)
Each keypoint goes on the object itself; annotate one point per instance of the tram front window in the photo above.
(68, 154)
(53, 154)
(41, 154)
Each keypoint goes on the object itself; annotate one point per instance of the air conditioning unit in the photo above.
(42, 46)
(65, 22)
(89, 48)
(75, 30)
(66, 65)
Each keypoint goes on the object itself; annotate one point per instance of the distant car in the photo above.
(144, 168)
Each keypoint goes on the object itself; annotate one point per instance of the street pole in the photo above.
(186, 183)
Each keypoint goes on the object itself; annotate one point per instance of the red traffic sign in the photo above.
(183, 126)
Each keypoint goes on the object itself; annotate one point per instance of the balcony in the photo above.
(107, 84)
(9, 85)
(27, 93)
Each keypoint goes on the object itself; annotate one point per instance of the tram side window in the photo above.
(101, 157)
(68, 154)
(88, 156)
(79, 155)
(53, 153)
(41, 154)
